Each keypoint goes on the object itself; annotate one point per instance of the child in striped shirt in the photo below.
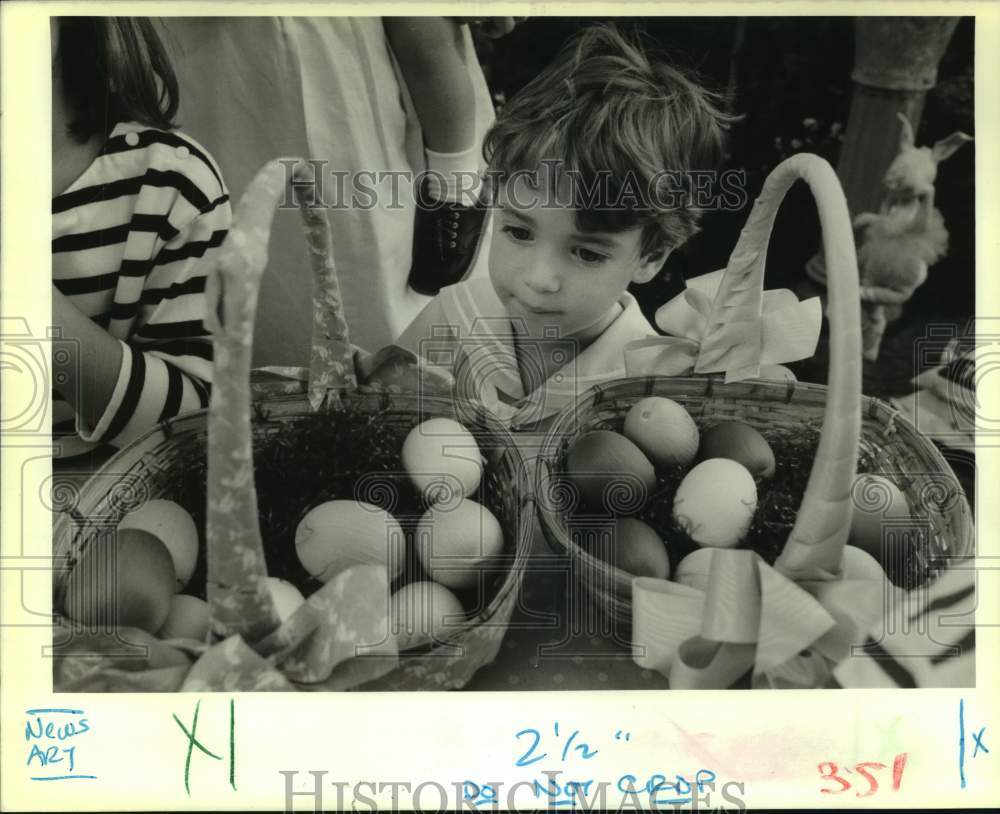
(138, 210)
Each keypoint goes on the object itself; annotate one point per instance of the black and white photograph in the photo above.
(479, 412)
(500, 353)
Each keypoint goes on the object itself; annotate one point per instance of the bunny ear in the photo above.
(906, 134)
(946, 147)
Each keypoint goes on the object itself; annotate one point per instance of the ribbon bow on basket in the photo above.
(714, 326)
(734, 612)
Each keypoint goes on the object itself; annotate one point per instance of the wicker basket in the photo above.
(889, 442)
(851, 424)
(146, 469)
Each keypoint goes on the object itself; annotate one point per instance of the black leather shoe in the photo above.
(445, 237)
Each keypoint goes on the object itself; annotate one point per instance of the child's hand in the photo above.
(89, 369)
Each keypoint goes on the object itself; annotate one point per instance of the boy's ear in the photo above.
(650, 264)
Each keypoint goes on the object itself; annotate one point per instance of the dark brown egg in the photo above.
(127, 583)
(638, 550)
(741, 443)
(610, 472)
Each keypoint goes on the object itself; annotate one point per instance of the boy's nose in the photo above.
(542, 277)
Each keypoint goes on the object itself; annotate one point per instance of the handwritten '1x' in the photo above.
(193, 741)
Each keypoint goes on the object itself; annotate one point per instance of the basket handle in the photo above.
(815, 547)
(331, 360)
(238, 597)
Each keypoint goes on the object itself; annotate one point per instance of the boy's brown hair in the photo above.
(620, 124)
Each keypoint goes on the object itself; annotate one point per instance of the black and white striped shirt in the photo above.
(132, 240)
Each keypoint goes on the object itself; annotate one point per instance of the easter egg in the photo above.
(423, 612)
(694, 569)
(663, 430)
(454, 542)
(741, 443)
(715, 502)
(610, 472)
(188, 619)
(128, 582)
(172, 526)
(286, 597)
(340, 533)
(636, 549)
(877, 501)
(859, 564)
(442, 457)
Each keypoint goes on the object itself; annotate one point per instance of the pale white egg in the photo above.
(340, 533)
(663, 430)
(188, 619)
(859, 564)
(442, 458)
(172, 526)
(423, 612)
(694, 569)
(715, 502)
(286, 597)
(455, 542)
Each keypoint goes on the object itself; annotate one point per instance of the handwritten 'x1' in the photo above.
(193, 741)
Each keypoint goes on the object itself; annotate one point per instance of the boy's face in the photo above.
(550, 274)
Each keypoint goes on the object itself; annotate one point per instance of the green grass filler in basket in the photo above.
(351, 541)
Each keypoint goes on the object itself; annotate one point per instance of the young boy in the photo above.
(587, 174)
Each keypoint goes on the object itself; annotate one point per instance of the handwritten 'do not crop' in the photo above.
(53, 736)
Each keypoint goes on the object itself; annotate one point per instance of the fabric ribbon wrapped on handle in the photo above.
(784, 329)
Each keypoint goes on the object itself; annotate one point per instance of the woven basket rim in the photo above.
(566, 425)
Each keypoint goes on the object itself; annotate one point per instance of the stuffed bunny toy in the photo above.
(905, 238)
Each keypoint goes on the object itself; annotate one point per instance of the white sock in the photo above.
(454, 177)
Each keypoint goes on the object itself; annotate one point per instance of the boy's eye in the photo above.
(589, 256)
(517, 232)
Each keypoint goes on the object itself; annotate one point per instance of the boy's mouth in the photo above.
(532, 309)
